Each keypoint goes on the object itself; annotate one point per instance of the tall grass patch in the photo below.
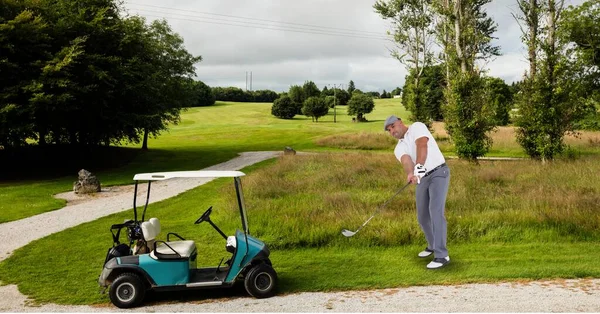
(305, 201)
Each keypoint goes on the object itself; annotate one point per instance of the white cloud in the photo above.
(280, 58)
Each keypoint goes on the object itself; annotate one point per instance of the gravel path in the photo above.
(540, 296)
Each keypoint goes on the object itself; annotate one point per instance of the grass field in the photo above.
(516, 220)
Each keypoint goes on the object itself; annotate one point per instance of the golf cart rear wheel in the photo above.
(127, 291)
(260, 281)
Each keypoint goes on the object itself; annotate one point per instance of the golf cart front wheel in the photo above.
(260, 281)
(127, 291)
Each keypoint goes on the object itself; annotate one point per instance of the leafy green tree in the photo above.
(264, 95)
(359, 105)
(91, 77)
(330, 101)
(554, 99)
(315, 107)
(296, 94)
(413, 33)
(283, 108)
(501, 99)
(203, 94)
(374, 94)
(472, 116)
(232, 94)
(581, 26)
(395, 91)
(310, 89)
(24, 44)
(351, 87)
(433, 85)
(465, 33)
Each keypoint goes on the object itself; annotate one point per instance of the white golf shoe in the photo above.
(438, 262)
(426, 252)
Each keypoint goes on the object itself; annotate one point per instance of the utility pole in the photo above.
(334, 100)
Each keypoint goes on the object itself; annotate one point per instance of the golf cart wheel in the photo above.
(127, 291)
(260, 281)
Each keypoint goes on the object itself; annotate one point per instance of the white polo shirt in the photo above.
(407, 146)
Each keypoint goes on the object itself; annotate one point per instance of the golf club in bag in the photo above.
(348, 233)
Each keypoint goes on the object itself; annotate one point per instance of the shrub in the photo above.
(283, 108)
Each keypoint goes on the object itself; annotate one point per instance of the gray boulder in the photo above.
(289, 151)
(87, 183)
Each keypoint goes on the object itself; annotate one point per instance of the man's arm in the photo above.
(408, 166)
(421, 143)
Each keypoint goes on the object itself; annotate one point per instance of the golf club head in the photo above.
(348, 233)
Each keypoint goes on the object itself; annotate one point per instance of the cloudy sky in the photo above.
(286, 42)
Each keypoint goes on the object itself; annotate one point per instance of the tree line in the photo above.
(312, 102)
(558, 92)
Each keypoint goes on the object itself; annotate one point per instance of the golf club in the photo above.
(348, 233)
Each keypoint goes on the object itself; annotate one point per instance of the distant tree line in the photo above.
(312, 102)
(239, 95)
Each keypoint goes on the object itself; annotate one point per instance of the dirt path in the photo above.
(540, 296)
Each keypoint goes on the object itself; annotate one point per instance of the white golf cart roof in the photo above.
(154, 176)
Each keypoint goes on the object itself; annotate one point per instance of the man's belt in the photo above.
(434, 169)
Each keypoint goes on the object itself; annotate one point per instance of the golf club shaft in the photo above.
(383, 205)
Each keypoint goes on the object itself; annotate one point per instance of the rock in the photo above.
(289, 151)
(87, 183)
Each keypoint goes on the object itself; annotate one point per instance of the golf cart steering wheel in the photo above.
(205, 216)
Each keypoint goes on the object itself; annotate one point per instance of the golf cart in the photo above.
(147, 263)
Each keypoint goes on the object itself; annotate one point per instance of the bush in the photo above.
(283, 108)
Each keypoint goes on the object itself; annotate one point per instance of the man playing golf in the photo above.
(425, 165)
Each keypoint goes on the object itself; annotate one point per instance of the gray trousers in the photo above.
(431, 200)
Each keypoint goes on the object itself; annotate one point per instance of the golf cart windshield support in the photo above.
(241, 206)
(240, 199)
(135, 201)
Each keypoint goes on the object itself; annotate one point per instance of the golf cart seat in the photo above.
(165, 250)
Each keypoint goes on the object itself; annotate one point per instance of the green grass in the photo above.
(505, 223)
(205, 136)
(507, 220)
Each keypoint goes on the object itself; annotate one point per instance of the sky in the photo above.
(287, 42)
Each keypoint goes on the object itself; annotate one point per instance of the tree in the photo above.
(283, 108)
(551, 101)
(433, 86)
(581, 26)
(163, 77)
(465, 32)
(310, 89)
(530, 16)
(396, 92)
(359, 105)
(413, 33)
(315, 107)
(296, 94)
(351, 87)
(203, 94)
(501, 98)
(91, 77)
